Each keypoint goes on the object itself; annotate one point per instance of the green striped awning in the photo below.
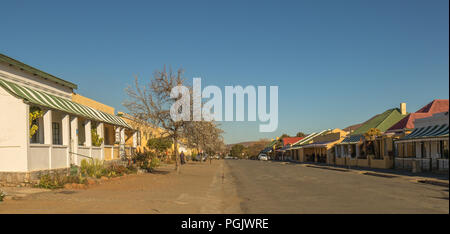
(353, 139)
(62, 104)
(427, 132)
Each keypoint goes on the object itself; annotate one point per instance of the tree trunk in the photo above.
(198, 153)
(177, 158)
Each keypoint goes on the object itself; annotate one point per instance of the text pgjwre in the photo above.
(212, 109)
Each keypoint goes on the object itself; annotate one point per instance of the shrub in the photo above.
(147, 161)
(35, 113)
(150, 165)
(93, 168)
(50, 182)
(74, 169)
(2, 195)
(118, 170)
(77, 179)
(131, 169)
(140, 157)
(96, 139)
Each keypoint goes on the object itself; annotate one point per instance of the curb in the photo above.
(421, 180)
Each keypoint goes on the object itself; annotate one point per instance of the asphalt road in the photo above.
(274, 187)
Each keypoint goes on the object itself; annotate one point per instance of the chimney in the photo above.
(403, 108)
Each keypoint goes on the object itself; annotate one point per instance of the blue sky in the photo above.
(336, 63)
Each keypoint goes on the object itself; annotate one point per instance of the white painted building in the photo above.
(427, 145)
(64, 134)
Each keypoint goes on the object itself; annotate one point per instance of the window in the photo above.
(107, 136)
(423, 150)
(443, 149)
(353, 150)
(56, 134)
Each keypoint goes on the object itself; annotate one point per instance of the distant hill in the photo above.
(352, 128)
(247, 143)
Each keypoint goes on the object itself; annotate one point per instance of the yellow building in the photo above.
(92, 103)
(116, 139)
(145, 131)
(318, 147)
(135, 138)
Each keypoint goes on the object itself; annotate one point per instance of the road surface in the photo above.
(275, 187)
(240, 186)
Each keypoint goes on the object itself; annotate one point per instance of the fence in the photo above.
(425, 164)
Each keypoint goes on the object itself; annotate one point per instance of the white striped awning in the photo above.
(428, 132)
(53, 102)
(322, 144)
(307, 139)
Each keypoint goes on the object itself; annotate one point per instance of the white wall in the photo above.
(39, 157)
(59, 157)
(82, 151)
(14, 133)
(97, 153)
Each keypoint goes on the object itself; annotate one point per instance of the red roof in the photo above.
(436, 106)
(291, 140)
(408, 121)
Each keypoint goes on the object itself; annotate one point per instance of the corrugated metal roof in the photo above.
(352, 139)
(427, 132)
(36, 71)
(436, 106)
(381, 122)
(318, 144)
(307, 139)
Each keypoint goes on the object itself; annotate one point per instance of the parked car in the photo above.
(263, 157)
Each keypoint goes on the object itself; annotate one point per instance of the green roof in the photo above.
(28, 68)
(47, 100)
(272, 143)
(381, 121)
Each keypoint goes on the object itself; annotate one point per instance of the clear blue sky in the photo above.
(336, 63)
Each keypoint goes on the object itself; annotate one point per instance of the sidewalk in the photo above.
(199, 188)
(16, 193)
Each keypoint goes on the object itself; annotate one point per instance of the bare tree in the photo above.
(152, 103)
(204, 135)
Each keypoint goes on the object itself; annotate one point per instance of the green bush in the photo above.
(2, 195)
(74, 169)
(119, 169)
(147, 161)
(150, 165)
(50, 182)
(93, 168)
(56, 181)
(131, 169)
(96, 139)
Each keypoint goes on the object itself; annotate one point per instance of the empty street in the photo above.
(275, 187)
(242, 186)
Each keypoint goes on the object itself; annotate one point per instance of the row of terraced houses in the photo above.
(394, 139)
(65, 126)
